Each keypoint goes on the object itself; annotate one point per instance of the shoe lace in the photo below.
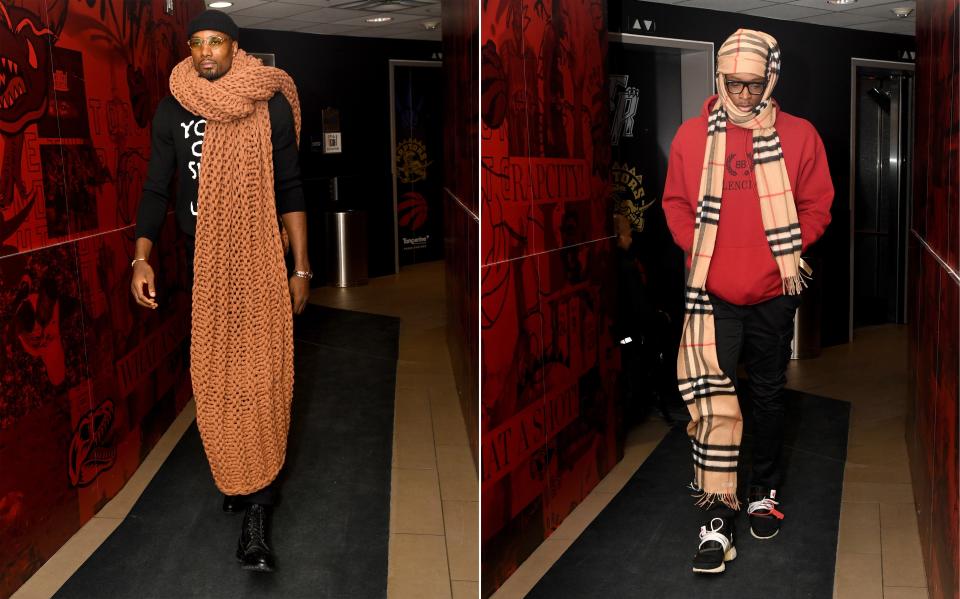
(714, 533)
(767, 504)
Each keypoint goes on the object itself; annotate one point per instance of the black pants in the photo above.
(761, 335)
(268, 494)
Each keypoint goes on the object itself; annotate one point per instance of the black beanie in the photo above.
(213, 20)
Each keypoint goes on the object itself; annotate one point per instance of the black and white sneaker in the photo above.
(716, 547)
(762, 511)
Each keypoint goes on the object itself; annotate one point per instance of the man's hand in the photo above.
(143, 274)
(299, 293)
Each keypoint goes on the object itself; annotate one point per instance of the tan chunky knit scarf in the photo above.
(242, 332)
(716, 425)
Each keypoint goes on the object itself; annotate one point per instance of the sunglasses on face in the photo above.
(754, 87)
(214, 41)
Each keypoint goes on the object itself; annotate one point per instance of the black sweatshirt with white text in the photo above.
(175, 149)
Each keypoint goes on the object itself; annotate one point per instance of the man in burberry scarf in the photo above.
(748, 189)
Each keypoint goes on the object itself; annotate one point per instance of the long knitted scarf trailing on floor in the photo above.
(242, 330)
(716, 426)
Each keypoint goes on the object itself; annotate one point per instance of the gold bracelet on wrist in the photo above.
(135, 260)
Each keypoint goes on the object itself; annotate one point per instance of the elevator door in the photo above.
(881, 195)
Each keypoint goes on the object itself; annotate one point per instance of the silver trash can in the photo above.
(806, 325)
(346, 254)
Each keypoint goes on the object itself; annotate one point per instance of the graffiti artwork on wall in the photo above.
(88, 381)
(89, 455)
(932, 431)
(43, 338)
(624, 100)
(548, 421)
(25, 63)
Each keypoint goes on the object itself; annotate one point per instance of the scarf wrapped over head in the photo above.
(242, 321)
(716, 426)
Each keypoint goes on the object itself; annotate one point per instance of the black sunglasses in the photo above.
(754, 87)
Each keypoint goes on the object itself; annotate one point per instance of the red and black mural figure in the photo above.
(934, 307)
(88, 382)
(549, 421)
(25, 62)
(89, 454)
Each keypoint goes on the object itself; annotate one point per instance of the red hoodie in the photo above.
(742, 270)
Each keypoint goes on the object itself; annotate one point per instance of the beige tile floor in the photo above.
(434, 504)
(878, 555)
(434, 507)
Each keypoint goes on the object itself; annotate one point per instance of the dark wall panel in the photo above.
(88, 381)
(351, 74)
(461, 213)
(815, 85)
(932, 430)
(548, 421)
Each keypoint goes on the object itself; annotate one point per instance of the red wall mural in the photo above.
(88, 381)
(549, 422)
(461, 29)
(932, 435)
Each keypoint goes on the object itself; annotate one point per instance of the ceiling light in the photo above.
(379, 19)
(902, 13)
(431, 25)
(221, 4)
(841, 1)
(388, 6)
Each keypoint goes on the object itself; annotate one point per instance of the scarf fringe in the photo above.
(706, 500)
(794, 285)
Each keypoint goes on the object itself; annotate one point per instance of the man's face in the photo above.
(212, 53)
(744, 97)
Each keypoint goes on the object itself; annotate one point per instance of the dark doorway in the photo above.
(417, 133)
(653, 87)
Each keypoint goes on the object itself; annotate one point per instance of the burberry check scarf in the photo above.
(717, 425)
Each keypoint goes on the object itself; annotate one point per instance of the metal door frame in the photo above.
(855, 64)
(393, 147)
(697, 78)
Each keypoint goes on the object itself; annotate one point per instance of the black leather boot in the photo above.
(253, 550)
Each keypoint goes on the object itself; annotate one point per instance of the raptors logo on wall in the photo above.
(412, 161)
(628, 194)
(412, 210)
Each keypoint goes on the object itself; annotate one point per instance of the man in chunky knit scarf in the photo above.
(243, 119)
(747, 191)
